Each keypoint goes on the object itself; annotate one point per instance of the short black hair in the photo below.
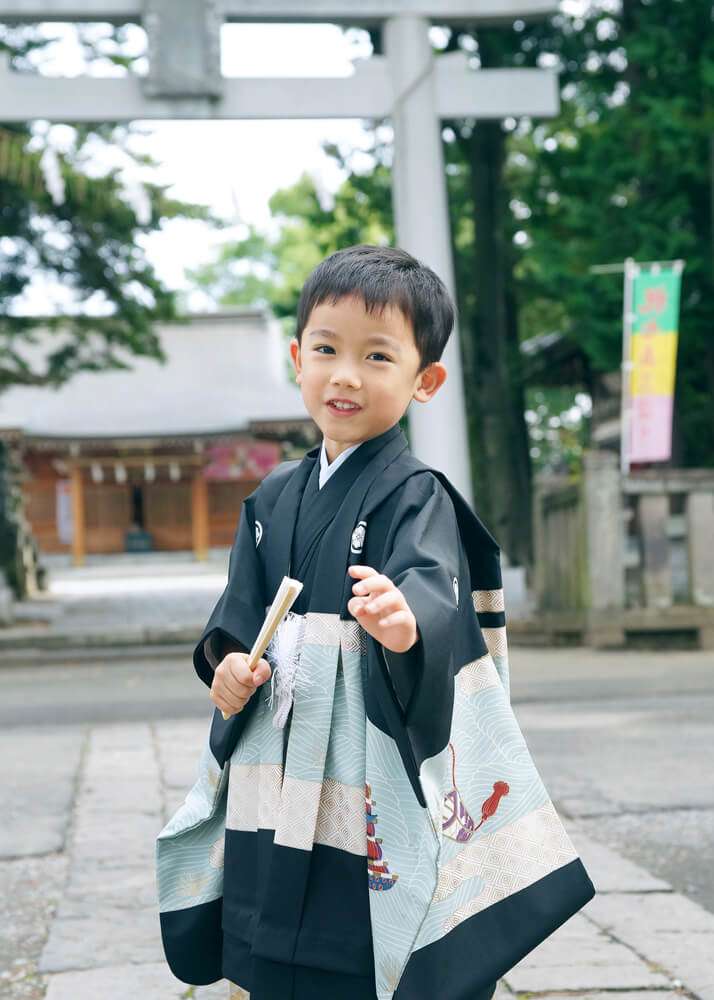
(383, 276)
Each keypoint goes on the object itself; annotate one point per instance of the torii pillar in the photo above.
(407, 84)
(438, 430)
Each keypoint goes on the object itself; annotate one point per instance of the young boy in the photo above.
(382, 832)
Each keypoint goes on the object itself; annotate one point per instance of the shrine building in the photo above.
(158, 457)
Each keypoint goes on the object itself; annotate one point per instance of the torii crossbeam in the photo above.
(408, 84)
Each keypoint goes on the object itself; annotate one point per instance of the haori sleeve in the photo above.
(239, 613)
(427, 562)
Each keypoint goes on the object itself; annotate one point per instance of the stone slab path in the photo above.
(117, 784)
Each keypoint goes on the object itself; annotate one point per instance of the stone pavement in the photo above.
(78, 915)
(132, 599)
(118, 600)
(637, 938)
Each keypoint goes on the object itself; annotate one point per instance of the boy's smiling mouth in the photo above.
(343, 407)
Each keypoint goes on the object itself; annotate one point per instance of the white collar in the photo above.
(327, 468)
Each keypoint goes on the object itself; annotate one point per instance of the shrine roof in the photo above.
(225, 371)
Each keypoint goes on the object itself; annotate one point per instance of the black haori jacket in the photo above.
(397, 824)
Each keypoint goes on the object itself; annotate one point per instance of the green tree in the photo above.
(484, 265)
(625, 170)
(60, 221)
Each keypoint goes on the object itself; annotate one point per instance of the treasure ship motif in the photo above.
(457, 822)
(378, 875)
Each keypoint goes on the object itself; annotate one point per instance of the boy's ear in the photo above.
(295, 355)
(430, 381)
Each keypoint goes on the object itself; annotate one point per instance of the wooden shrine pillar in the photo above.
(199, 515)
(79, 546)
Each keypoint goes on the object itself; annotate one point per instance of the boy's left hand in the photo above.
(381, 609)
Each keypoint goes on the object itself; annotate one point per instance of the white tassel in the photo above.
(283, 653)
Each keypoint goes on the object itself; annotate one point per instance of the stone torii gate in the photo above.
(407, 84)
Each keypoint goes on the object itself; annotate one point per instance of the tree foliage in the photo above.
(624, 169)
(63, 222)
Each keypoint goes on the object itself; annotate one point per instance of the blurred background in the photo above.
(170, 173)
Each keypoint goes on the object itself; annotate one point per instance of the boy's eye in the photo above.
(372, 355)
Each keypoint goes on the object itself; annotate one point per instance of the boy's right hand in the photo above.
(234, 682)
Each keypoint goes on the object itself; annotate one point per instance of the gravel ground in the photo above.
(30, 891)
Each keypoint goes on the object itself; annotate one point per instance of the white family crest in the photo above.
(456, 590)
(258, 533)
(357, 543)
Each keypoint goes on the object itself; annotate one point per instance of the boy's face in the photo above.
(369, 359)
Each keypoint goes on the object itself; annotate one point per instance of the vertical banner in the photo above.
(651, 326)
